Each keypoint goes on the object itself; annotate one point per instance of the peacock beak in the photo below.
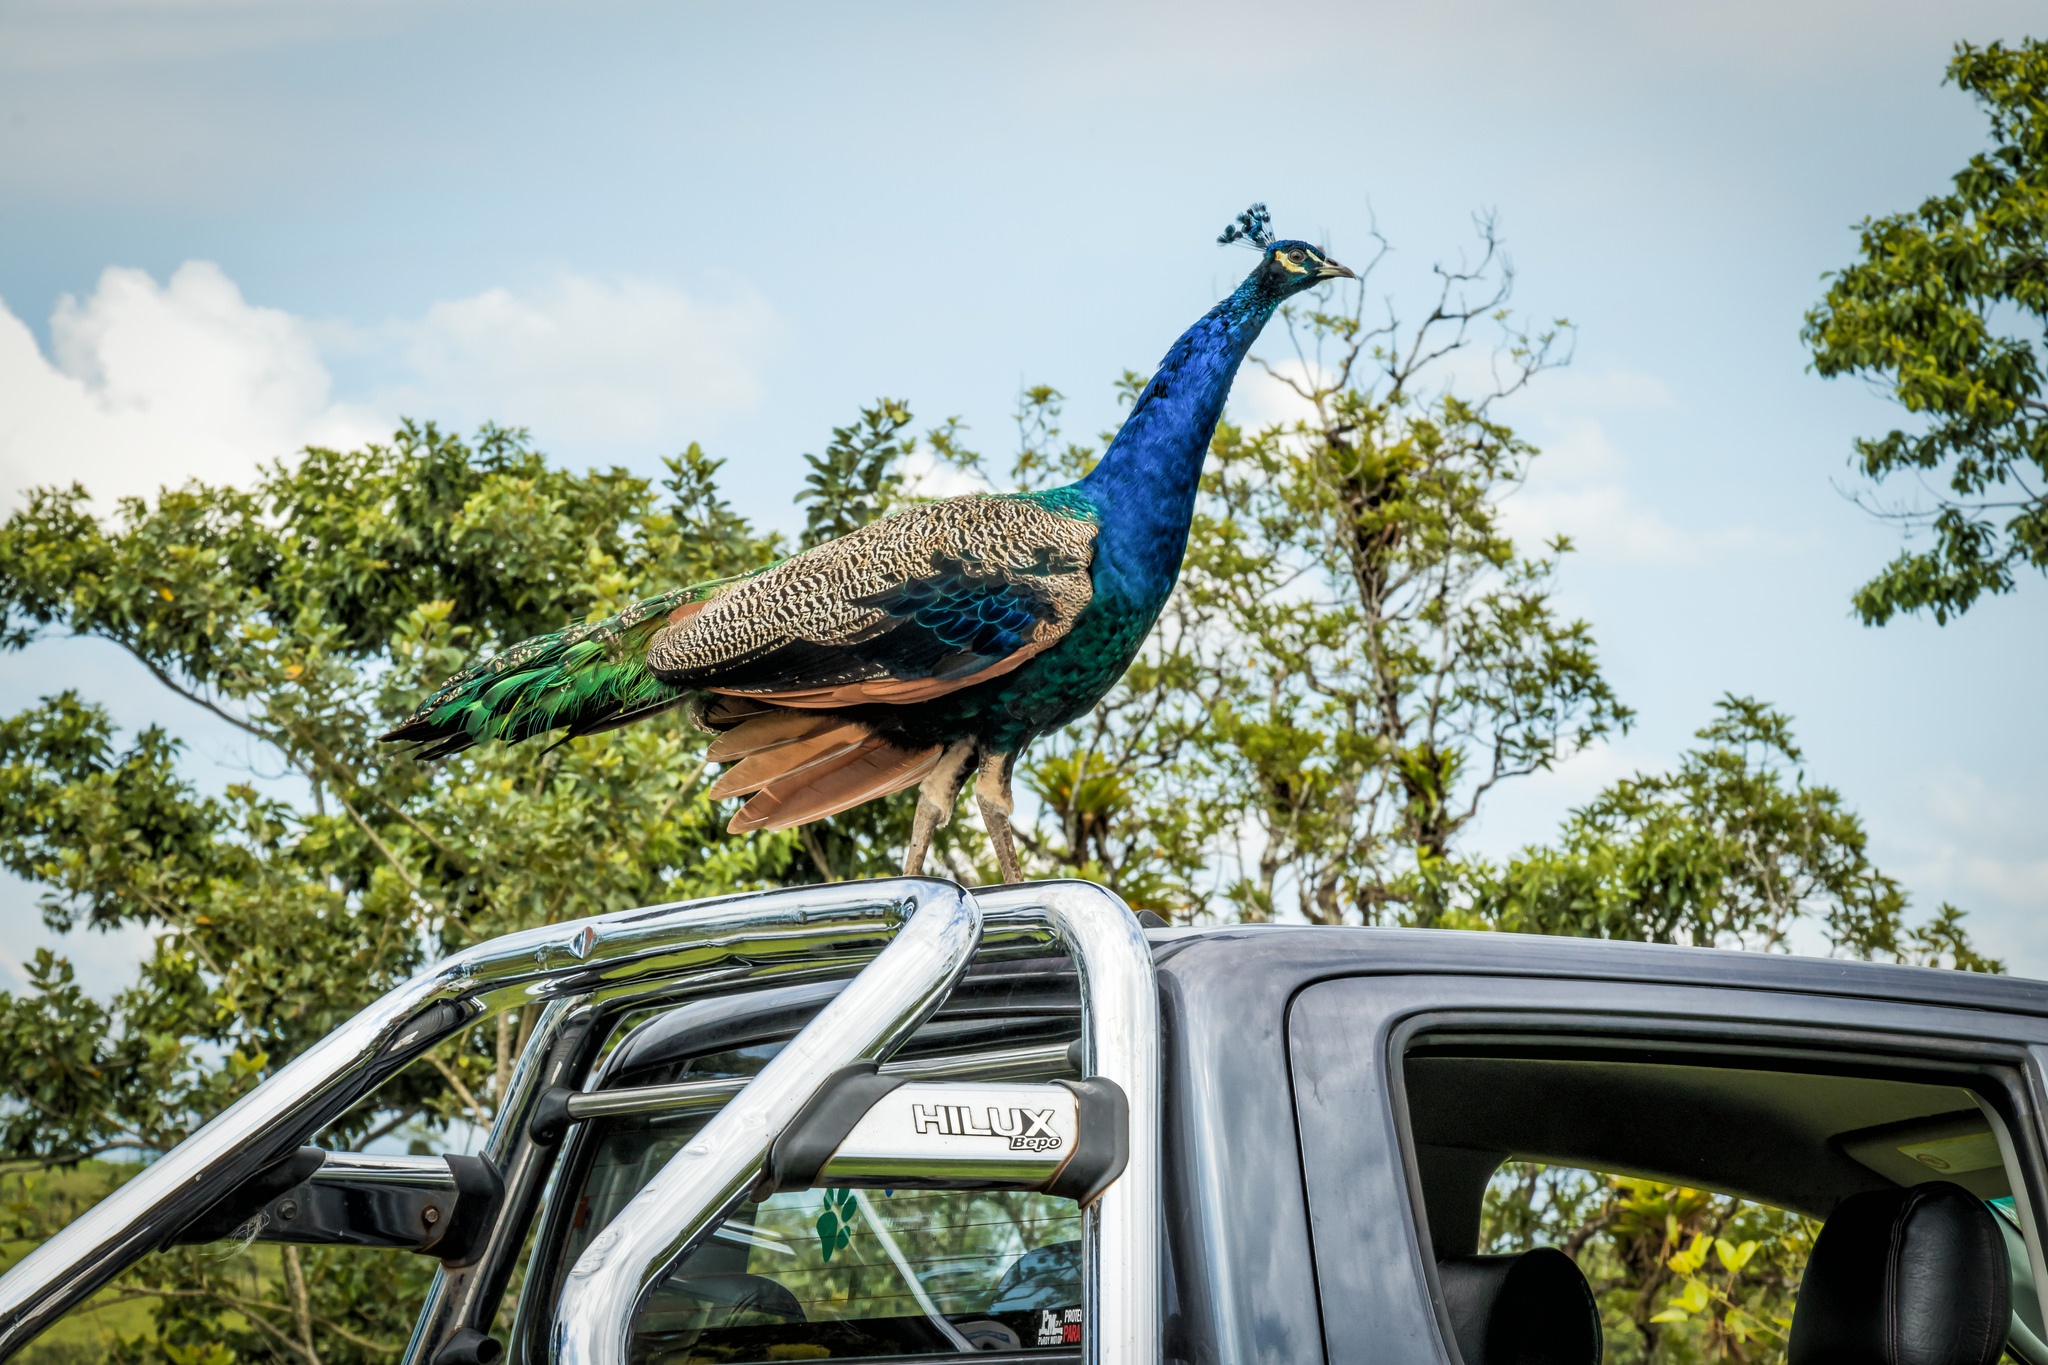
(1330, 270)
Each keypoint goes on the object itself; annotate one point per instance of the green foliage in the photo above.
(1680, 1275)
(1042, 458)
(1948, 307)
(339, 1305)
(1730, 849)
(213, 1305)
(34, 1205)
(311, 611)
(856, 479)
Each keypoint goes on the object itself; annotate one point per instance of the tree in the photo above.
(857, 479)
(1679, 1275)
(1731, 849)
(310, 611)
(1361, 546)
(1948, 307)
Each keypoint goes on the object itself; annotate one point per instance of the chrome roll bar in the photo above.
(916, 934)
(702, 1181)
(571, 969)
(1121, 1230)
(461, 1299)
(712, 1172)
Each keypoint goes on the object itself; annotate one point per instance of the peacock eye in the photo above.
(1297, 256)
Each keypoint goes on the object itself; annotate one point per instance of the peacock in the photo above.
(931, 643)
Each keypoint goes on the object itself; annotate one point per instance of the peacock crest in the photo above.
(1254, 227)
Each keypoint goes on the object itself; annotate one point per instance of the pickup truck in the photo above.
(901, 1120)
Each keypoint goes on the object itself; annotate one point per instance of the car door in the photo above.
(1411, 1090)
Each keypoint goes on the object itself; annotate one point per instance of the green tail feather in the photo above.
(585, 679)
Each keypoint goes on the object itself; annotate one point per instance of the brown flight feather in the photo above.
(786, 761)
(765, 731)
(870, 769)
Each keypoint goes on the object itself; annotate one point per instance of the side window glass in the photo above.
(1677, 1274)
(1680, 1207)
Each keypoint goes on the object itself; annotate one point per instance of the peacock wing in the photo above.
(937, 597)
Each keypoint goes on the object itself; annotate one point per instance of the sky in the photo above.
(230, 228)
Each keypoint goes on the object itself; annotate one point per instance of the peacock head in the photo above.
(1286, 267)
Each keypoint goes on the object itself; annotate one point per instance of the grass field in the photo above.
(32, 1206)
(35, 1205)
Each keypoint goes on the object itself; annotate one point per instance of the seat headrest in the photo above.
(1530, 1309)
(1915, 1276)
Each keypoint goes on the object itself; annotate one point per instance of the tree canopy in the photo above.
(1947, 307)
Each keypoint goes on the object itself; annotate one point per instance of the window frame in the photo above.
(1348, 1037)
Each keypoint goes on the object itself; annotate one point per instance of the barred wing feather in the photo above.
(938, 597)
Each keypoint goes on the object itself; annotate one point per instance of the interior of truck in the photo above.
(1834, 1215)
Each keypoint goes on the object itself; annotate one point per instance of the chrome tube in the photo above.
(466, 1296)
(1037, 1062)
(1120, 1231)
(781, 935)
(1040, 1061)
(406, 1172)
(877, 1011)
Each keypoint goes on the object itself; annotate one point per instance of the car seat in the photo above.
(1913, 1276)
(1534, 1308)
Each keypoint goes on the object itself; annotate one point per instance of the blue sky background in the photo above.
(227, 229)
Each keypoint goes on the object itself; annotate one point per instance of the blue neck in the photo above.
(1144, 488)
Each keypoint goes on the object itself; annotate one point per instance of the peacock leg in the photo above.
(992, 793)
(936, 796)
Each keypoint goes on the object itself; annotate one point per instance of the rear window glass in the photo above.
(837, 1274)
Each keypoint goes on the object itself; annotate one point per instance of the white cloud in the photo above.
(925, 475)
(1976, 844)
(1263, 397)
(582, 358)
(152, 384)
(1580, 485)
(1980, 846)
(1531, 810)
(147, 384)
(1579, 488)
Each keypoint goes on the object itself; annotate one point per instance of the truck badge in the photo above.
(1029, 1130)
